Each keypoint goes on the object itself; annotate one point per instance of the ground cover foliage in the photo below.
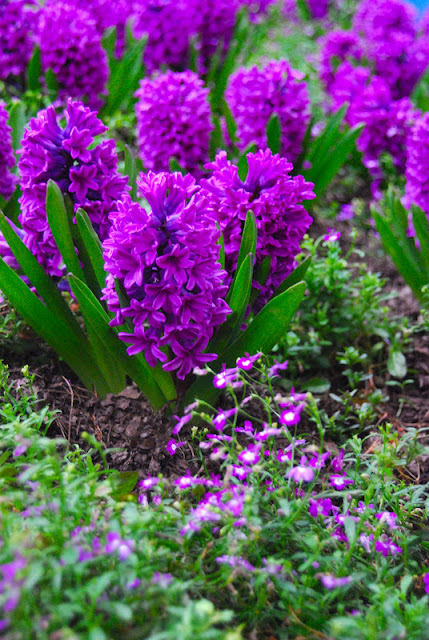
(213, 378)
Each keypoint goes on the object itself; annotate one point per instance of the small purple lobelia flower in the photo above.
(331, 582)
(166, 259)
(87, 174)
(173, 121)
(254, 95)
(337, 47)
(18, 20)
(7, 160)
(416, 170)
(387, 125)
(276, 200)
(168, 25)
(70, 45)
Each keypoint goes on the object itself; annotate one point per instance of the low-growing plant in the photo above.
(308, 539)
(345, 307)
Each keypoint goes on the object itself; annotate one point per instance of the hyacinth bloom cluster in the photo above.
(87, 174)
(387, 124)
(254, 95)
(18, 20)
(107, 14)
(71, 46)
(7, 160)
(276, 200)
(392, 42)
(167, 261)
(416, 172)
(173, 121)
(336, 48)
(168, 25)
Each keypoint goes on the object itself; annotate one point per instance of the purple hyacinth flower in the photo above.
(7, 160)
(18, 23)
(416, 173)
(85, 172)
(70, 45)
(254, 95)
(146, 251)
(337, 47)
(173, 121)
(276, 200)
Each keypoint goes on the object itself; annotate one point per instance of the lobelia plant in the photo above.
(167, 292)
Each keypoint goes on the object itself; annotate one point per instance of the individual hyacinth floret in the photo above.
(71, 46)
(87, 174)
(276, 200)
(416, 172)
(166, 259)
(17, 36)
(173, 121)
(254, 95)
(7, 160)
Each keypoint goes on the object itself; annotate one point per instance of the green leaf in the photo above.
(336, 159)
(124, 76)
(93, 245)
(263, 333)
(238, 300)
(52, 83)
(17, 122)
(321, 146)
(35, 70)
(296, 276)
(242, 164)
(131, 171)
(215, 137)
(52, 329)
(175, 166)
(421, 226)
(60, 226)
(136, 368)
(38, 277)
(397, 364)
(231, 125)
(124, 482)
(249, 239)
(400, 255)
(274, 133)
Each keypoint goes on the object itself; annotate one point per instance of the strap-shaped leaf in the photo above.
(405, 265)
(131, 171)
(239, 296)
(274, 133)
(268, 327)
(333, 163)
(60, 226)
(324, 142)
(38, 277)
(421, 226)
(137, 369)
(242, 164)
(124, 76)
(17, 122)
(52, 328)
(296, 276)
(92, 244)
(266, 330)
(248, 239)
(35, 70)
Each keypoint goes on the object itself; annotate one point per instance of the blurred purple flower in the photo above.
(172, 446)
(7, 160)
(416, 171)
(18, 26)
(386, 546)
(302, 472)
(331, 582)
(340, 482)
(70, 45)
(116, 543)
(173, 121)
(337, 47)
(254, 95)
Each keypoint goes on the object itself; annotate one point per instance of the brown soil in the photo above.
(137, 438)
